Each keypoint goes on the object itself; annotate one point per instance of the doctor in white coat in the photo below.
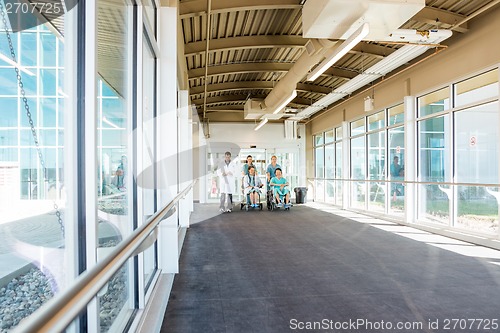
(227, 171)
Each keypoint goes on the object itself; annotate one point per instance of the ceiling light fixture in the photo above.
(285, 102)
(262, 123)
(340, 51)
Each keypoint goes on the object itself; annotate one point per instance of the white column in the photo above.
(91, 150)
(410, 162)
(346, 186)
(168, 136)
(185, 151)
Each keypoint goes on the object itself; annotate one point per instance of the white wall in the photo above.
(242, 135)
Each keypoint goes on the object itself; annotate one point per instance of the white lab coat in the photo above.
(227, 182)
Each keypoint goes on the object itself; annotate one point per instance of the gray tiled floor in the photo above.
(257, 271)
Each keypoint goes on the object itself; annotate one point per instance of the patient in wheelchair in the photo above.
(251, 187)
(280, 189)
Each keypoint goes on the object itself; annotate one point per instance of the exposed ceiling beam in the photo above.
(257, 85)
(254, 67)
(245, 42)
(372, 50)
(441, 18)
(199, 7)
(233, 99)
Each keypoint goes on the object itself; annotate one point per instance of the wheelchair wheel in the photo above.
(241, 206)
(260, 206)
(246, 208)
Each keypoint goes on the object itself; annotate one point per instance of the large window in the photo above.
(33, 216)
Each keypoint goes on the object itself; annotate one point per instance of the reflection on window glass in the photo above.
(329, 138)
(28, 49)
(8, 107)
(376, 155)
(396, 114)
(338, 160)
(33, 107)
(434, 102)
(319, 162)
(376, 121)
(8, 81)
(434, 149)
(358, 161)
(338, 133)
(318, 139)
(476, 139)
(48, 82)
(358, 126)
(48, 56)
(48, 112)
(477, 88)
(8, 137)
(329, 161)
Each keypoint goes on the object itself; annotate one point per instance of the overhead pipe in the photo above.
(313, 53)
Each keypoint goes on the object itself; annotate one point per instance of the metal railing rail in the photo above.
(63, 308)
(407, 182)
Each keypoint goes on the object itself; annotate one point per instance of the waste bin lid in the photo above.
(300, 189)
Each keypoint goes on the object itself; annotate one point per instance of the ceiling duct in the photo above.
(383, 67)
(338, 19)
(282, 93)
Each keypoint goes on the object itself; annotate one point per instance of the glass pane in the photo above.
(329, 137)
(27, 190)
(434, 102)
(33, 107)
(477, 88)
(434, 150)
(434, 203)
(28, 49)
(339, 194)
(477, 209)
(9, 117)
(48, 112)
(8, 155)
(319, 190)
(338, 133)
(48, 82)
(329, 161)
(358, 126)
(396, 114)
(376, 121)
(318, 139)
(113, 296)
(330, 191)
(319, 162)
(376, 155)
(338, 160)
(358, 162)
(396, 152)
(8, 81)
(377, 197)
(8, 137)
(48, 56)
(148, 156)
(113, 156)
(477, 150)
(358, 194)
(48, 137)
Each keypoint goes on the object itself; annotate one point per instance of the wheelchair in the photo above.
(272, 204)
(247, 203)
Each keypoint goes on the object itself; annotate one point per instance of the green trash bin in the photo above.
(300, 194)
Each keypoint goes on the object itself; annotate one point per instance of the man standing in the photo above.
(226, 172)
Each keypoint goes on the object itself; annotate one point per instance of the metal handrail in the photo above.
(63, 308)
(408, 182)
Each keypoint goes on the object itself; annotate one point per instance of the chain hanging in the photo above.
(28, 113)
